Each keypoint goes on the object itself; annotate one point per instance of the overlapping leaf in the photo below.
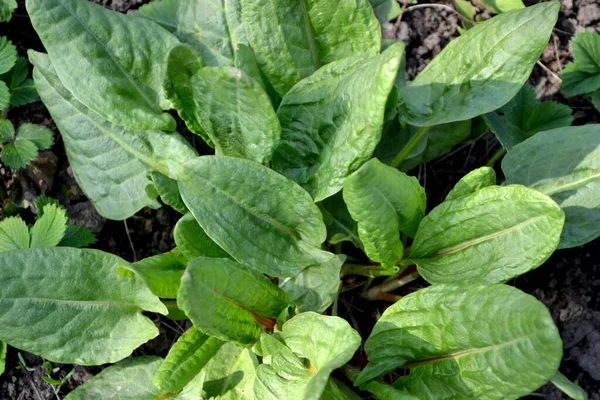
(230, 374)
(472, 182)
(583, 75)
(161, 273)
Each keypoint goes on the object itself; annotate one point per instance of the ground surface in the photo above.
(568, 283)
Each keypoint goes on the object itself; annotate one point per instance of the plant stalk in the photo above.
(496, 157)
(381, 292)
(409, 146)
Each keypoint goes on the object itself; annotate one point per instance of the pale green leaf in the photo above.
(235, 209)
(41, 136)
(583, 75)
(340, 225)
(162, 12)
(502, 6)
(490, 236)
(118, 56)
(573, 390)
(7, 7)
(185, 360)
(217, 304)
(481, 70)
(50, 228)
(14, 234)
(384, 202)
(8, 55)
(193, 242)
(7, 130)
(331, 121)
(472, 182)
(465, 342)
(161, 273)
(315, 287)
(71, 306)
(77, 236)
(230, 374)
(564, 164)
(19, 153)
(110, 163)
(386, 10)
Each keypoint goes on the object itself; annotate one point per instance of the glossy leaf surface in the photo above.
(472, 182)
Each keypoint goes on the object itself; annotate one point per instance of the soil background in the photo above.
(568, 283)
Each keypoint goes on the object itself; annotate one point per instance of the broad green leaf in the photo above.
(185, 360)
(245, 59)
(384, 391)
(340, 225)
(228, 301)
(235, 209)
(193, 242)
(8, 55)
(332, 120)
(2, 356)
(465, 342)
(384, 202)
(71, 306)
(573, 390)
(110, 163)
(327, 343)
(7, 131)
(502, 6)
(292, 39)
(7, 7)
(77, 236)
(481, 70)
(19, 153)
(41, 136)
(315, 287)
(583, 75)
(14, 234)
(50, 228)
(240, 121)
(472, 182)
(161, 273)
(386, 10)
(96, 59)
(524, 116)
(490, 236)
(168, 191)
(230, 374)
(565, 165)
(162, 12)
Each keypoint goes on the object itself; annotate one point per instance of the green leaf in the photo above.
(292, 39)
(22, 90)
(386, 10)
(23, 94)
(91, 47)
(3, 349)
(8, 55)
(7, 7)
(110, 163)
(77, 236)
(596, 99)
(245, 59)
(472, 182)
(185, 360)
(384, 391)
(524, 116)
(234, 209)
(193, 242)
(583, 75)
(168, 191)
(230, 374)
(315, 287)
(502, 6)
(71, 306)
(569, 388)
(50, 228)
(565, 165)
(218, 305)
(331, 121)
(465, 342)
(327, 343)
(41, 136)
(7, 131)
(162, 12)
(4, 96)
(481, 70)
(340, 225)
(240, 121)
(161, 273)
(19, 153)
(384, 202)
(14, 234)
(467, 10)
(490, 236)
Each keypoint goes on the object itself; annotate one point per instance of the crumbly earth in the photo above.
(567, 283)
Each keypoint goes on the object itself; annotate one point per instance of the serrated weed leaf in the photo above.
(50, 228)
(583, 75)
(41, 136)
(14, 234)
(8, 55)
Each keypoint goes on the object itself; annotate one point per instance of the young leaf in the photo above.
(41, 136)
(481, 341)
(583, 75)
(110, 163)
(14, 234)
(384, 202)
(472, 182)
(162, 12)
(315, 287)
(230, 373)
(193, 242)
(292, 39)
(2, 356)
(120, 72)
(564, 164)
(502, 6)
(240, 121)
(77, 236)
(50, 228)
(168, 191)
(340, 225)
(481, 70)
(8, 55)
(487, 236)
(218, 305)
(71, 305)
(19, 153)
(573, 390)
(265, 204)
(386, 10)
(185, 360)
(332, 120)
(7, 7)
(161, 273)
